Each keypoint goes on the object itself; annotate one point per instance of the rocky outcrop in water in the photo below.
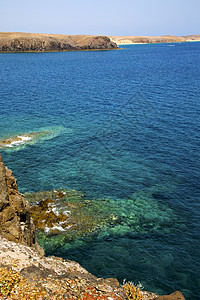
(31, 42)
(15, 219)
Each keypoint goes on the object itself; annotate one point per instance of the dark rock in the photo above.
(15, 221)
(33, 272)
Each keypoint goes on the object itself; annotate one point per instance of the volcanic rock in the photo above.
(15, 220)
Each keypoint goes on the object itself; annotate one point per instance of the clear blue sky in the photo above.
(109, 17)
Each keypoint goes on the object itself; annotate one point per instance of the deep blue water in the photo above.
(124, 127)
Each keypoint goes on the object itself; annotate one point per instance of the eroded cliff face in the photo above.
(15, 220)
(30, 42)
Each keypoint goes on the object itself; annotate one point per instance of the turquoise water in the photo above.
(123, 127)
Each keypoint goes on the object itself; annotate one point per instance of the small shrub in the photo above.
(133, 292)
(13, 287)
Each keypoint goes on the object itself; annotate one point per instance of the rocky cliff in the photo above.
(26, 275)
(15, 220)
(30, 42)
(50, 277)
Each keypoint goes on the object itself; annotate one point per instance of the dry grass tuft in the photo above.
(133, 292)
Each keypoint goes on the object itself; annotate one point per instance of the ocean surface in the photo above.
(123, 127)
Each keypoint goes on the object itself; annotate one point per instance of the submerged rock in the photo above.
(64, 217)
(22, 139)
(67, 212)
(16, 223)
(26, 274)
(18, 140)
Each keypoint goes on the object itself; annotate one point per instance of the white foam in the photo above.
(47, 229)
(16, 142)
(56, 227)
(66, 212)
(8, 145)
(22, 139)
(55, 211)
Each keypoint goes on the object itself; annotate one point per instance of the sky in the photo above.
(101, 17)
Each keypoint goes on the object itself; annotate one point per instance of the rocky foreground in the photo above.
(34, 42)
(25, 272)
(125, 40)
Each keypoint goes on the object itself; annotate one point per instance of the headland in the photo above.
(35, 42)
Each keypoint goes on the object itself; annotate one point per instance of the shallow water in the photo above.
(123, 127)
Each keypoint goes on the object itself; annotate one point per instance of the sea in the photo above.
(123, 127)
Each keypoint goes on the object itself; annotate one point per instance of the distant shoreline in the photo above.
(19, 42)
(137, 40)
(125, 44)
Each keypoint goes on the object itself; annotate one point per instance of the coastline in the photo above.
(138, 40)
(16, 42)
(19, 42)
(157, 50)
(125, 44)
(57, 51)
(24, 264)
